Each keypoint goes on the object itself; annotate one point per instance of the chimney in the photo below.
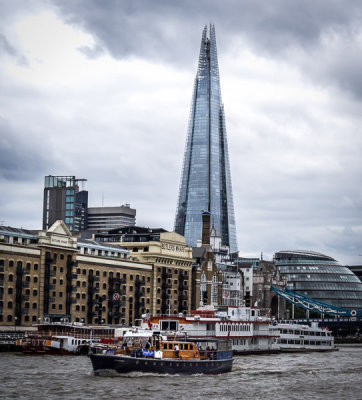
(206, 228)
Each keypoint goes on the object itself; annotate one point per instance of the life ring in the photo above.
(353, 313)
(196, 354)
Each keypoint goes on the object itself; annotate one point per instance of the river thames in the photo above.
(336, 375)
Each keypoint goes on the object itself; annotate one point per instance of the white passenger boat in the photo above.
(249, 332)
(304, 338)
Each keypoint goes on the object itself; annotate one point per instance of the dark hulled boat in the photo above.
(172, 357)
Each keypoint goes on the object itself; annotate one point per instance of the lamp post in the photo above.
(15, 321)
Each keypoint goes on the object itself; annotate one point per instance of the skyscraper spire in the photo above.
(205, 181)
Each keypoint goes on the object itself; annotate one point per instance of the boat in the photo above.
(182, 357)
(64, 338)
(304, 338)
(249, 332)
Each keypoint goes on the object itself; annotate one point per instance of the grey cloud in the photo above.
(22, 159)
(6, 47)
(92, 52)
(139, 27)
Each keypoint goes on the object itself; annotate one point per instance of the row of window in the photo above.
(235, 327)
(26, 305)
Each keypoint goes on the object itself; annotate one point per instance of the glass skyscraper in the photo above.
(205, 181)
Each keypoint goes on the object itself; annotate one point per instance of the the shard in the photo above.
(205, 181)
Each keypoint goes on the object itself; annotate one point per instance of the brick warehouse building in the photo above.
(50, 276)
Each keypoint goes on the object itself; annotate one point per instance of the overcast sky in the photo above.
(102, 90)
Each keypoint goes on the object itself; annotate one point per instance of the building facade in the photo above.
(50, 277)
(320, 277)
(205, 180)
(64, 201)
(172, 264)
(106, 218)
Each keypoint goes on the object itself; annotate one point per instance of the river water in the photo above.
(336, 375)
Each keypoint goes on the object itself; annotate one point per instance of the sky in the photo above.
(102, 90)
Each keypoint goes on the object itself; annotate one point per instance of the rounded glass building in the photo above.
(320, 277)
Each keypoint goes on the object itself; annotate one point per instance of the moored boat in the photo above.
(63, 338)
(249, 332)
(304, 338)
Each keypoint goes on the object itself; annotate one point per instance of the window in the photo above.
(11, 278)
(35, 306)
(53, 306)
(10, 304)
(60, 306)
(60, 294)
(36, 267)
(10, 290)
(61, 269)
(35, 279)
(11, 263)
(35, 292)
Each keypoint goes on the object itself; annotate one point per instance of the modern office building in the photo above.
(205, 182)
(107, 218)
(320, 277)
(64, 201)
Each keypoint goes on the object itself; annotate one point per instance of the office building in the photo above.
(320, 277)
(107, 218)
(64, 201)
(205, 181)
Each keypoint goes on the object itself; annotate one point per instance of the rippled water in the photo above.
(336, 375)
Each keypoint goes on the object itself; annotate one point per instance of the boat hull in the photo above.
(125, 364)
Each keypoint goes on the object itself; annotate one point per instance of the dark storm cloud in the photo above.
(164, 31)
(141, 27)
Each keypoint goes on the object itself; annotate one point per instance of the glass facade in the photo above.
(205, 181)
(320, 277)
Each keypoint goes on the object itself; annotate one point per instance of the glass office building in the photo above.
(320, 277)
(63, 200)
(205, 181)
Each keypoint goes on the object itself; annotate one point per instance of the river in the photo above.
(335, 375)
